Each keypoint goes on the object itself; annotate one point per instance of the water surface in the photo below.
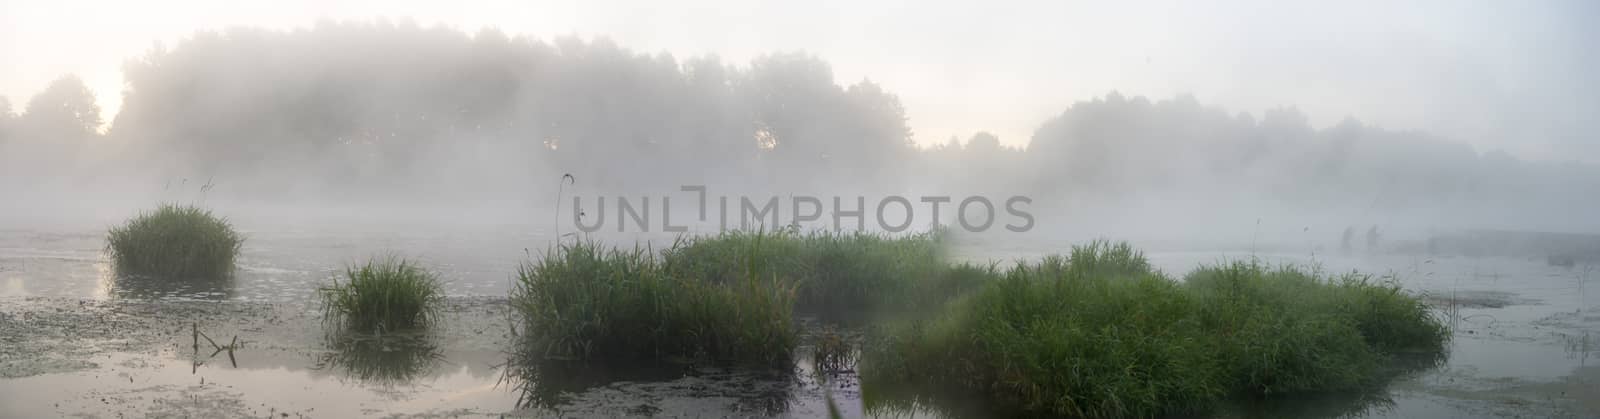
(77, 341)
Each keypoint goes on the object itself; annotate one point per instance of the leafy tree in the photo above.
(65, 110)
(983, 142)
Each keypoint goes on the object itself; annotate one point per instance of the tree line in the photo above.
(379, 109)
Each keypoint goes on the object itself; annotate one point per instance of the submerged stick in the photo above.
(231, 346)
(197, 334)
(208, 339)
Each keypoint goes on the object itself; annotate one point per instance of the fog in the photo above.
(380, 122)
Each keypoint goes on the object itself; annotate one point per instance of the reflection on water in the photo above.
(1375, 400)
(894, 402)
(888, 400)
(1525, 335)
(549, 384)
(897, 400)
(112, 282)
(1369, 402)
(570, 386)
(383, 360)
(1579, 347)
(158, 287)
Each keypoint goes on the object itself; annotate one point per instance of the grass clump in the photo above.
(1284, 330)
(832, 272)
(175, 241)
(583, 301)
(1100, 334)
(1096, 334)
(1268, 343)
(384, 295)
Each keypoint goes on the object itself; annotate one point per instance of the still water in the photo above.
(75, 341)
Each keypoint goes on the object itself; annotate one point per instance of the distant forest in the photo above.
(378, 110)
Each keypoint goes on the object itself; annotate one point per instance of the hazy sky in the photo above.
(1518, 76)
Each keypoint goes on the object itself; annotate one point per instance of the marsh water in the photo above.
(76, 341)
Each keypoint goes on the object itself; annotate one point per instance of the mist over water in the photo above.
(355, 122)
(475, 151)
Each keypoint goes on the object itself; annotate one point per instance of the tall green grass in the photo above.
(832, 272)
(387, 294)
(586, 301)
(1094, 335)
(1285, 330)
(175, 241)
(1100, 334)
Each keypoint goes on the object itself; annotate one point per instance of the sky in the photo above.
(1512, 76)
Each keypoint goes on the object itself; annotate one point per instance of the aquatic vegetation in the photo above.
(1094, 335)
(1261, 303)
(584, 301)
(175, 241)
(1100, 334)
(385, 295)
(832, 272)
(1282, 330)
(832, 352)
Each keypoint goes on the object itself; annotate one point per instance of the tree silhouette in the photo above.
(373, 105)
(983, 142)
(65, 110)
(7, 118)
(395, 110)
